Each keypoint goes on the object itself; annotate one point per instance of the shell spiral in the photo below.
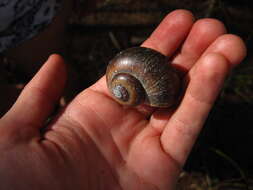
(142, 75)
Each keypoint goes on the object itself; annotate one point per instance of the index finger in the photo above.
(171, 32)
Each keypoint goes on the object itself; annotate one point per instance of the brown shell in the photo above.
(158, 82)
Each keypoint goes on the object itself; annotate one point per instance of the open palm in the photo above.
(95, 143)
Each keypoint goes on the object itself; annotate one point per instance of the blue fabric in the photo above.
(22, 19)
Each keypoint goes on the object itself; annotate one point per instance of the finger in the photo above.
(39, 97)
(185, 124)
(230, 46)
(203, 33)
(171, 32)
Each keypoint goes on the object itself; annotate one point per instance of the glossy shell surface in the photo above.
(157, 81)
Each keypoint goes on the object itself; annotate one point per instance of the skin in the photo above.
(95, 143)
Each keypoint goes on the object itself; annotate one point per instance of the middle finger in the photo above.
(203, 33)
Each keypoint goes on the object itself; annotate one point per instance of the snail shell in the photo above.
(142, 75)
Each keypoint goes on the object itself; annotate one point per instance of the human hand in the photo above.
(95, 143)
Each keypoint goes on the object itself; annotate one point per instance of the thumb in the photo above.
(38, 98)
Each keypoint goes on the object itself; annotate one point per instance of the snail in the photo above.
(140, 75)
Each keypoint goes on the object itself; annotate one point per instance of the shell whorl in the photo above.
(127, 90)
(155, 82)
